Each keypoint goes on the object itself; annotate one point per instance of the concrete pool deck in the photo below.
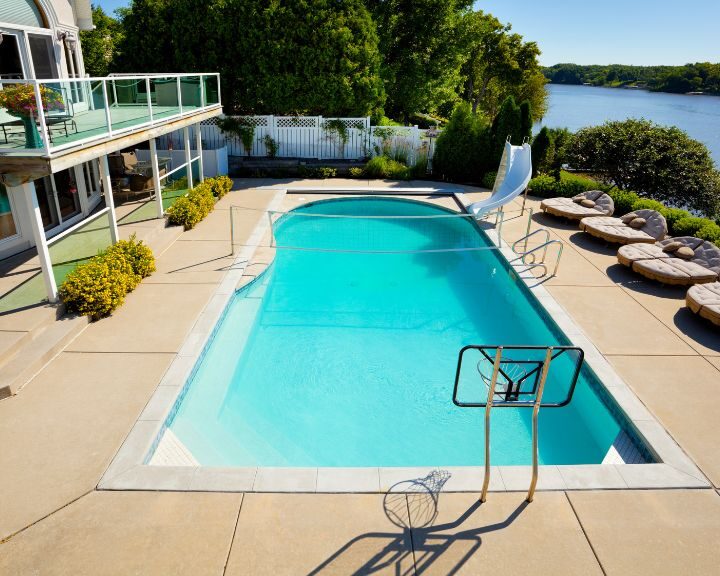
(60, 432)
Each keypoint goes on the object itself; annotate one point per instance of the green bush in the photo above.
(462, 151)
(623, 201)
(543, 186)
(202, 196)
(488, 181)
(546, 186)
(543, 151)
(356, 172)
(647, 204)
(672, 215)
(689, 226)
(710, 232)
(384, 167)
(98, 287)
(317, 171)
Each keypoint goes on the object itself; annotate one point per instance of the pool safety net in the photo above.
(377, 233)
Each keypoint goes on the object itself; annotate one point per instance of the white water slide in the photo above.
(513, 177)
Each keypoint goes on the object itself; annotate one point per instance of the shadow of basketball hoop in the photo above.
(413, 503)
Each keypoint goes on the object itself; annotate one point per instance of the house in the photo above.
(61, 135)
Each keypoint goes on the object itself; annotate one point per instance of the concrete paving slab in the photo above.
(652, 532)
(148, 321)
(193, 263)
(616, 323)
(61, 432)
(317, 534)
(128, 533)
(504, 535)
(679, 391)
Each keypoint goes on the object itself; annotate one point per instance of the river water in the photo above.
(574, 107)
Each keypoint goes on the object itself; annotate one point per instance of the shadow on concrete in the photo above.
(412, 506)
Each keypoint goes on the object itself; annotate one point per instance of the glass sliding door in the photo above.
(43, 56)
(67, 194)
(46, 202)
(11, 67)
(7, 222)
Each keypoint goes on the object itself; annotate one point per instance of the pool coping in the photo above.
(129, 470)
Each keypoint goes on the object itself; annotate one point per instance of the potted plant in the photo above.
(19, 100)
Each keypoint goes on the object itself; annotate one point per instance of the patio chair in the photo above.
(591, 203)
(646, 226)
(704, 300)
(679, 261)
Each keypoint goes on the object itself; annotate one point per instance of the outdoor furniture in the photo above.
(591, 203)
(704, 300)
(654, 261)
(646, 226)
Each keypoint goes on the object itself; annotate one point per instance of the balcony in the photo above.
(50, 118)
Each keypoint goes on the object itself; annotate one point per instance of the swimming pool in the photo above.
(346, 359)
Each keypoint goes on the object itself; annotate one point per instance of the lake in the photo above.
(575, 107)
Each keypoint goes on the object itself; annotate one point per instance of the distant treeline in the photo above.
(699, 77)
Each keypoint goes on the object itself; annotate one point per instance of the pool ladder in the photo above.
(529, 257)
(511, 401)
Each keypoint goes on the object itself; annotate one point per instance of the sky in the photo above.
(641, 32)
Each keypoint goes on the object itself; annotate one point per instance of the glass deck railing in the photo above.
(48, 116)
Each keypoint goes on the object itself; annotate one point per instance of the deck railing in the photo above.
(79, 111)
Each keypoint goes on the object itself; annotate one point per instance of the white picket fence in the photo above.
(313, 137)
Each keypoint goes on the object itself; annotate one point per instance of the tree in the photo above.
(462, 152)
(543, 151)
(310, 56)
(422, 53)
(100, 46)
(509, 124)
(500, 64)
(659, 162)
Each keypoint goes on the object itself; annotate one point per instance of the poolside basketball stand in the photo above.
(520, 378)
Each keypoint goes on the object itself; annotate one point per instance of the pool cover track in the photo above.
(130, 469)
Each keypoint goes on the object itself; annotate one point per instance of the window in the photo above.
(7, 223)
(43, 56)
(10, 62)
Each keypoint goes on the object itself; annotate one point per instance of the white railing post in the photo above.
(198, 146)
(108, 118)
(202, 91)
(41, 116)
(159, 208)
(109, 200)
(149, 103)
(33, 210)
(319, 137)
(179, 94)
(188, 157)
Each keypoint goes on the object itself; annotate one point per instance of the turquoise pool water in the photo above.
(349, 358)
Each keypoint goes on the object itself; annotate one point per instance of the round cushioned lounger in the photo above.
(704, 300)
(615, 230)
(650, 261)
(571, 209)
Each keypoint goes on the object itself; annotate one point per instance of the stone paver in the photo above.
(503, 536)
(680, 392)
(317, 534)
(652, 532)
(193, 263)
(128, 533)
(60, 433)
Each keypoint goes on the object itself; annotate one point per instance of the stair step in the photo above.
(44, 345)
(28, 323)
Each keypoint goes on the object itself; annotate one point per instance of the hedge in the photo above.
(98, 287)
(198, 203)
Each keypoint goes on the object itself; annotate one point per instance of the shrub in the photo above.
(689, 226)
(271, 146)
(139, 255)
(543, 186)
(356, 172)
(220, 185)
(623, 201)
(672, 215)
(543, 152)
(488, 181)
(202, 196)
(646, 204)
(507, 123)
(710, 232)
(418, 169)
(462, 151)
(568, 185)
(384, 167)
(184, 213)
(660, 162)
(317, 171)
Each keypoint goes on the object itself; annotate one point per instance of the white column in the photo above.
(156, 179)
(198, 146)
(188, 157)
(33, 211)
(109, 200)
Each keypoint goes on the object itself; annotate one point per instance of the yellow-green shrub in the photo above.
(202, 196)
(184, 213)
(220, 185)
(98, 287)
